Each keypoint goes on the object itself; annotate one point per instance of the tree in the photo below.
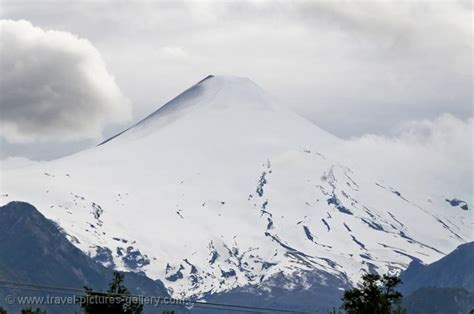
(2, 310)
(375, 295)
(117, 299)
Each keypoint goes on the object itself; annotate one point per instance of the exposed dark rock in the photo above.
(458, 203)
(134, 259)
(176, 275)
(308, 233)
(104, 257)
(229, 273)
(261, 183)
(326, 224)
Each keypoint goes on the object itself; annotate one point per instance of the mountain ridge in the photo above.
(204, 91)
(157, 111)
(34, 251)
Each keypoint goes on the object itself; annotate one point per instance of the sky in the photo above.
(396, 75)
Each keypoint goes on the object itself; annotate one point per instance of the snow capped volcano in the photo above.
(210, 93)
(223, 188)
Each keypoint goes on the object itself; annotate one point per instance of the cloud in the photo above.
(173, 53)
(434, 155)
(352, 67)
(394, 61)
(54, 86)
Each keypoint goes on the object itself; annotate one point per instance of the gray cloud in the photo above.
(352, 67)
(54, 86)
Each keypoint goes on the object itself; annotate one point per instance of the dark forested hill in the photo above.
(445, 286)
(439, 301)
(34, 250)
(455, 270)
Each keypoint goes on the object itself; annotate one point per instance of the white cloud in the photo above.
(434, 155)
(54, 86)
(173, 53)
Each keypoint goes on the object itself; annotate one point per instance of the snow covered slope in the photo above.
(221, 188)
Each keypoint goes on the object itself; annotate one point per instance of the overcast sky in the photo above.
(74, 72)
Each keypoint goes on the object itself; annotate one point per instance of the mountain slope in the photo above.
(33, 250)
(221, 188)
(455, 270)
(445, 286)
(439, 301)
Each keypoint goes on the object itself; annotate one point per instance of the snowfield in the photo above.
(222, 188)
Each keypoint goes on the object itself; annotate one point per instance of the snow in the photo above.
(221, 186)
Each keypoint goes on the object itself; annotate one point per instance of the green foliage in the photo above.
(116, 300)
(29, 310)
(375, 295)
(2, 310)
